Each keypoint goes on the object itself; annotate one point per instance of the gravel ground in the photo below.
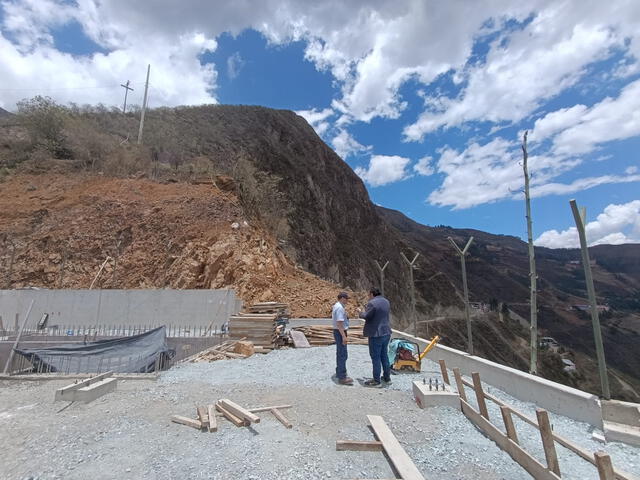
(127, 434)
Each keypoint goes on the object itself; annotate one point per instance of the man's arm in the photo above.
(340, 324)
(369, 312)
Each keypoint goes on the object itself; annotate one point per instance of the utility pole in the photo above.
(463, 266)
(382, 269)
(533, 277)
(580, 219)
(144, 105)
(413, 293)
(126, 91)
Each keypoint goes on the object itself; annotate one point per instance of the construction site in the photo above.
(166, 307)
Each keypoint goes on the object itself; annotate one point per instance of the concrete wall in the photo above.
(552, 396)
(120, 307)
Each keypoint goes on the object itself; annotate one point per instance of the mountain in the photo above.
(315, 215)
(4, 113)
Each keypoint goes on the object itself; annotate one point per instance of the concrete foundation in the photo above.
(426, 398)
(194, 308)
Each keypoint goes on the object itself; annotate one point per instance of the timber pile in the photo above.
(318, 335)
(263, 324)
(236, 414)
(228, 350)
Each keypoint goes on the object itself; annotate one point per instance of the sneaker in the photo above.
(345, 381)
(372, 383)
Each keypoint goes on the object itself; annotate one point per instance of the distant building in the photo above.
(587, 308)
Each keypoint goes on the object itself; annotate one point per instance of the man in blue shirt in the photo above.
(340, 327)
(377, 329)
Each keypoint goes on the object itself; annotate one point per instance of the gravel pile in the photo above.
(127, 434)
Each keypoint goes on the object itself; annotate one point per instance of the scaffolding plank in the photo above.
(397, 455)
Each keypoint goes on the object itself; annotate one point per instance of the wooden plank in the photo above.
(268, 409)
(203, 416)
(526, 461)
(283, 420)
(605, 469)
(237, 421)
(299, 339)
(349, 445)
(459, 384)
(443, 370)
(568, 444)
(398, 457)
(213, 423)
(547, 441)
(190, 422)
(508, 424)
(477, 386)
(239, 411)
(64, 393)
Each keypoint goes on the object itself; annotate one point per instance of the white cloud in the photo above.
(580, 185)
(615, 225)
(424, 166)
(235, 63)
(317, 119)
(631, 170)
(384, 169)
(345, 145)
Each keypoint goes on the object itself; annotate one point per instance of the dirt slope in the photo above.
(176, 235)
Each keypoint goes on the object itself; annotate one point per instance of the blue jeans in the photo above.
(341, 355)
(379, 352)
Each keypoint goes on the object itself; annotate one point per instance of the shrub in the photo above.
(45, 121)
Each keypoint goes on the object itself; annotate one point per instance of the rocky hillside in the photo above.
(173, 213)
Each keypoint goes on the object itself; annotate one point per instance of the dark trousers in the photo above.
(379, 352)
(341, 355)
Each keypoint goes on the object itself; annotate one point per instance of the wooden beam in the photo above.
(398, 457)
(547, 441)
(268, 409)
(526, 461)
(508, 424)
(459, 383)
(237, 421)
(239, 411)
(190, 422)
(213, 423)
(283, 420)
(477, 386)
(605, 469)
(203, 416)
(349, 445)
(443, 369)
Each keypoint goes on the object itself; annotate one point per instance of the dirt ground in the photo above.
(128, 434)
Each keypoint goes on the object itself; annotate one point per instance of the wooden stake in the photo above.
(238, 422)
(268, 409)
(190, 422)
(443, 369)
(508, 423)
(213, 423)
(547, 441)
(459, 384)
(605, 469)
(239, 411)
(278, 414)
(477, 386)
(203, 416)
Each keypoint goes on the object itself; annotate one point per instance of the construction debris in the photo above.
(319, 335)
(230, 349)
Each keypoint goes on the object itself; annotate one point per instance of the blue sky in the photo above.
(427, 101)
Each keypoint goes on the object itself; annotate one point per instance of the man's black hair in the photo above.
(375, 292)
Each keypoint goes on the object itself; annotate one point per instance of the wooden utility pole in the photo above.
(580, 216)
(144, 105)
(382, 269)
(126, 92)
(413, 292)
(463, 266)
(533, 277)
